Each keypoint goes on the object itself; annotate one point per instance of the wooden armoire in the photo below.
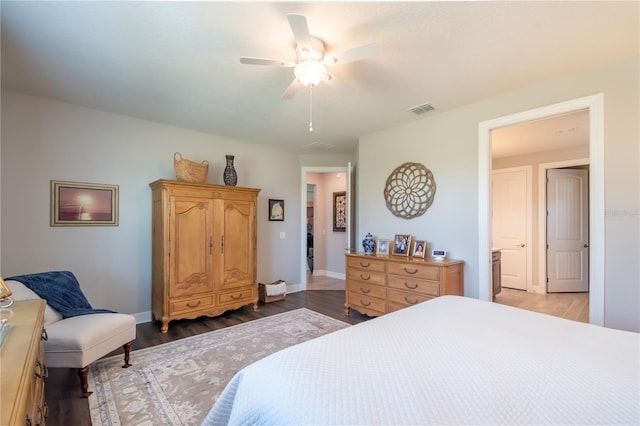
(203, 250)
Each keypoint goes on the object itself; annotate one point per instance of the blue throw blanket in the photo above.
(61, 291)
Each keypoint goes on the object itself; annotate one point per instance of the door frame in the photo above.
(542, 214)
(529, 219)
(595, 105)
(303, 214)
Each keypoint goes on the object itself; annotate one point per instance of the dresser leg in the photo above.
(82, 373)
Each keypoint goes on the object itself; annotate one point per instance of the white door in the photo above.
(567, 230)
(511, 224)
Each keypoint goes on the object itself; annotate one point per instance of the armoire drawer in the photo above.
(246, 293)
(191, 304)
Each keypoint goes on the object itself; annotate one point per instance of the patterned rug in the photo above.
(176, 383)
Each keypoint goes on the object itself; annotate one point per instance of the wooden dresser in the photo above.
(377, 285)
(22, 369)
(203, 250)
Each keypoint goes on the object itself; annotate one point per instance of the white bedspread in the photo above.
(451, 360)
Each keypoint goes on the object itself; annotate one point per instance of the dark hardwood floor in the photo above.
(62, 389)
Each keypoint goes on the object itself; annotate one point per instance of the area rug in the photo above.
(176, 383)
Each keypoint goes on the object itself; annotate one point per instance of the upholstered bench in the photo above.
(76, 342)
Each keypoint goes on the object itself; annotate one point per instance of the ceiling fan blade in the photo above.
(269, 62)
(300, 30)
(352, 55)
(292, 89)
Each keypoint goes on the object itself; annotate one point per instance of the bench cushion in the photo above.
(78, 341)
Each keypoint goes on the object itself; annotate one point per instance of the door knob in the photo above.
(586, 246)
(520, 245)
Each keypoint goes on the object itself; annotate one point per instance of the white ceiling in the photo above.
(178, 62)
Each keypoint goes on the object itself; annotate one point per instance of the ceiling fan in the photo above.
(310, 69)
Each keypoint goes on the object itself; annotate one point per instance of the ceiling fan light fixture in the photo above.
(311, 73)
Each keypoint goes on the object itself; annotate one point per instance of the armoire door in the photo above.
(191, 246)
(234, 233)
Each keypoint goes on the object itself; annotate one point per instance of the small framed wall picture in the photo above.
(340, 211)
(382, 247)
(401, 244)
(419, 248)
(276, 210)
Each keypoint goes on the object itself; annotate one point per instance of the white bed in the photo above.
(451, 360)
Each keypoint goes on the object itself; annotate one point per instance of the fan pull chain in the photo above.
(310, 108)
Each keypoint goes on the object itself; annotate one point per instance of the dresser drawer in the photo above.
(243, 294)
(405, 298)
(367, 302)
(370, 277)
(415, 270)
(191, 304)
(366, 289)
(367, 264)
(414, 285)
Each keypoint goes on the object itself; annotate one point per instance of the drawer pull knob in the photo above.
(193, 306)
(415, 271)
(40, 370)
(365, 290)
(365, 277)
(410, 287)
(45, 411)
(238, 296)
(410, 302)
(365, 304)
(365, 265)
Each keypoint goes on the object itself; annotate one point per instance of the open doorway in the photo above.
(311, 193)
(594, 106)
(324, 270)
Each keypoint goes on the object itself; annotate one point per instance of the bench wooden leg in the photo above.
(127, 351)
(82, 373)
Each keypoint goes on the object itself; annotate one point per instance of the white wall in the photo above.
(447, 143)
(44, 140)
(445, 148)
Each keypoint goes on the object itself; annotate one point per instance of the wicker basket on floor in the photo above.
(262, 293)
(190, 171)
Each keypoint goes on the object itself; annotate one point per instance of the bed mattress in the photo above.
(450, 360)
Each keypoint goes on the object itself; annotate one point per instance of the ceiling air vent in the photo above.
(421, 109)
(319, 145)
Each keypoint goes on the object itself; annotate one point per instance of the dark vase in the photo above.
(230, 176)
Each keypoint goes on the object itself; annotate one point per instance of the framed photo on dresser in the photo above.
(419, 248)
(382, 247)
(401, 244)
